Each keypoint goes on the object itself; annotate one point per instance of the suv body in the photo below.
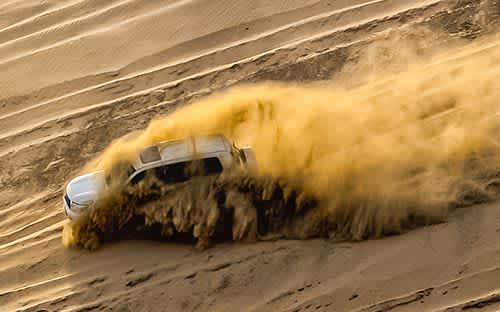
(169, 161)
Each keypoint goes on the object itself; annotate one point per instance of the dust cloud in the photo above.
(345, 163)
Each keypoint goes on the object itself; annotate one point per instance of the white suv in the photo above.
(168, 161)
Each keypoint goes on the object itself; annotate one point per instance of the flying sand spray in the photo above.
(396, 151)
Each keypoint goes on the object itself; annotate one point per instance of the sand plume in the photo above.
(399, 150)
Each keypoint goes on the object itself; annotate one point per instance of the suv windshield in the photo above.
(119, 173)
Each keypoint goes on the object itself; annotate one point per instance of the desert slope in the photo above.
(74, 75)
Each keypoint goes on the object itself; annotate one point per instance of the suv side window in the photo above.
(183, 171)
(174, 173)
(211, 166)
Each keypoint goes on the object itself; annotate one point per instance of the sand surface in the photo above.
(74, 75)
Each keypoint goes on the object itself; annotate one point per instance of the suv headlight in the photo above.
(67, 200)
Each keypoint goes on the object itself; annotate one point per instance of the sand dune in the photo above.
(75, 75)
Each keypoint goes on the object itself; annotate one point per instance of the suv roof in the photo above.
(180, 149)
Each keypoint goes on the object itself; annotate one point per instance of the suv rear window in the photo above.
(183, 171)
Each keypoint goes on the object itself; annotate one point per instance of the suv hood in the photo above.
(85, 189)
